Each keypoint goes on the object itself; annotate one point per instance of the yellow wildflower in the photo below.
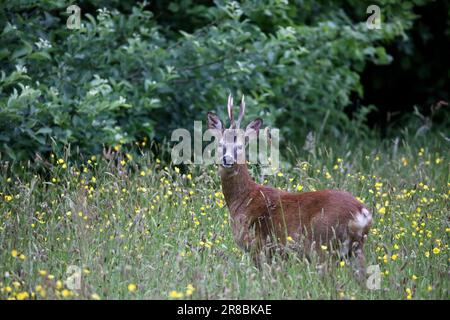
(66, 293)
(132, 287)
(59, 285)
(408, 293)
(22, 296)
(176, 295)
(189, 290)
(95, 296)
(404, 161)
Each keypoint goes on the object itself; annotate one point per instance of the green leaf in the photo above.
(44, 130)
(40, 55)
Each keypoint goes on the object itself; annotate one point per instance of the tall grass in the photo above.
(132, 227)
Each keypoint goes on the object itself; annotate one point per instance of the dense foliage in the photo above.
(137, 70)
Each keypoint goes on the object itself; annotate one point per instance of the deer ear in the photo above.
(254, 126)
(214, 121)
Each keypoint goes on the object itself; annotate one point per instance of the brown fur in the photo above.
(263, 217)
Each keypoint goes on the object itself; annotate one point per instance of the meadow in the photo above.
(128, 226)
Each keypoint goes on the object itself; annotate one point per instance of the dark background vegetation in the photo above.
(137, 70)
(419, 73)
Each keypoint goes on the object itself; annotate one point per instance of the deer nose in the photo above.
(227, 160)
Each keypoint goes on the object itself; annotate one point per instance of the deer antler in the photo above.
(241, 112)
(230, 110)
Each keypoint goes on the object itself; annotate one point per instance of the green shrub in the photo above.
(125, 75)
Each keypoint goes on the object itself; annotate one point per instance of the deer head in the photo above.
(232, 141)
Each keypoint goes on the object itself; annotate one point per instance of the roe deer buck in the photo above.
(261, 214)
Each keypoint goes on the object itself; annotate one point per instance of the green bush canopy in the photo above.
(135, 70)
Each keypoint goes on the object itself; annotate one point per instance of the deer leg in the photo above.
(358, 261)
(257, 258)
(247, 239)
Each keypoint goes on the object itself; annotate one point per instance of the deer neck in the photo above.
(237, 185)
